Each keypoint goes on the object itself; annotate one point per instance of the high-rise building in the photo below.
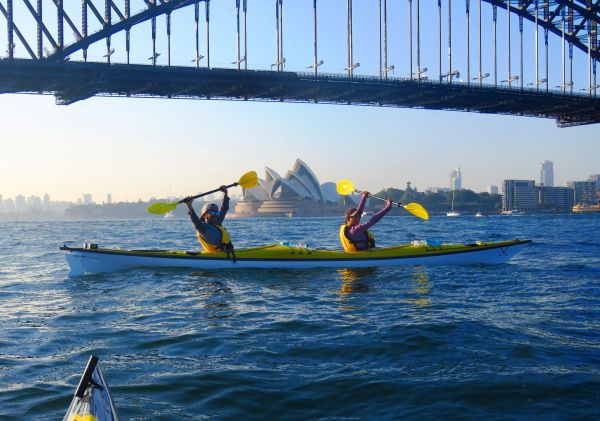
(554, 198)
(547, 174)
(583, 191)
(9, 206)
(492, 189)
(34, 203)
(596, 178)
(46, 202)
(87, 198)
(455, 179)
(519, 195)
(20, 203)
(108, 199)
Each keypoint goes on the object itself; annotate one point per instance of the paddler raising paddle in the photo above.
(356, 236)
(209, 229)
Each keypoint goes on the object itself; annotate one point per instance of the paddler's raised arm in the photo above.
(192, 213)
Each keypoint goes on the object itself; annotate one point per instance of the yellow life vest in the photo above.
(224, 245)
(350, 245)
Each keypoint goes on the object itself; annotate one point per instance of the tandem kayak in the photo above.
(94, 259)
(92, 400)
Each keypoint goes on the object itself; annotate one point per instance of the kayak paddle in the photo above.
(247, 181)
(345, 187)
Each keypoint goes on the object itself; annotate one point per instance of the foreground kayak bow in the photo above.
(92, 400)
(94, 259)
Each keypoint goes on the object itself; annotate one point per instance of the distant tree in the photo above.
(469, 196)
(391, 193)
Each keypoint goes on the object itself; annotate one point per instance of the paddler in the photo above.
(356, 236)
(209, 227)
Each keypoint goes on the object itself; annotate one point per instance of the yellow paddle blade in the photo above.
(345, 187)
(417, 210)
(162, 207)
(248, 180)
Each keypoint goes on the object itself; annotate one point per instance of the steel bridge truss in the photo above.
(575, 21)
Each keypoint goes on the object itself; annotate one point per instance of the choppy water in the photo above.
(520, 340)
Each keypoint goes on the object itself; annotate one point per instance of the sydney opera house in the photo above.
(298, 193)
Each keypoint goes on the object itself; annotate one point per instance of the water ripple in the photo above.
(512, 341)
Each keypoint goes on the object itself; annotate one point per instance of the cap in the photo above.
(209, 207)
(350, 212)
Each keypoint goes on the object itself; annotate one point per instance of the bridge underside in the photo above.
(74, 81)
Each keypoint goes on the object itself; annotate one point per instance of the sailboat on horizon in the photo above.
(452, 212)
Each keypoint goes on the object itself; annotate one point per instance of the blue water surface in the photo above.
(518, 340)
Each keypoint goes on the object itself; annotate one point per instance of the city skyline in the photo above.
(38, 201)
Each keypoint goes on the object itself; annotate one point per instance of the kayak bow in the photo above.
(92, 400)
(92, 259)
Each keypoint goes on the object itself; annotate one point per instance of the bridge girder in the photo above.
(73, 81)
(581, 14)
(584, 13)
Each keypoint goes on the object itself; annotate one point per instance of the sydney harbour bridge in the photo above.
(512, 57)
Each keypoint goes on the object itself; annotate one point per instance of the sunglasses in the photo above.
(214, 213)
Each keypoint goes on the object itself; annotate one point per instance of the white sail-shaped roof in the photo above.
(300, 186)
(258, 192)
(309, 179)
(330, 192)
(298, 183)
(279, 187)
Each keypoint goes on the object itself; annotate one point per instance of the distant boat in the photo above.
(452, 211)
(585, 208)
(479, 214)
(289, 214)
(512, 212)
(169, 215)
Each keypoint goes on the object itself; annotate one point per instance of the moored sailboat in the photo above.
(453, 212)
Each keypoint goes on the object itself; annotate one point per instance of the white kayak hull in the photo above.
(82, 261)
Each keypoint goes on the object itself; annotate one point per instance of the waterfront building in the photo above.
(297, 193)
(437, 190)
(9, 205)
(519, 195)
(547, 174)
(456, 180)
(33, 203)
(492, 189)
(595, 178)
(46, 202)
(20, 203)
(109, 199)
(87, 199)
(554, 198)
(583, 191)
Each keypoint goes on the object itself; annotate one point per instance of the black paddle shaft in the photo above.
(210, 192)
(400, 205)
(86, 378)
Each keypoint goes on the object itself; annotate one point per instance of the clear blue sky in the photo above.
(139, 148)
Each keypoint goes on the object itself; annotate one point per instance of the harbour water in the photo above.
(519, 340)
